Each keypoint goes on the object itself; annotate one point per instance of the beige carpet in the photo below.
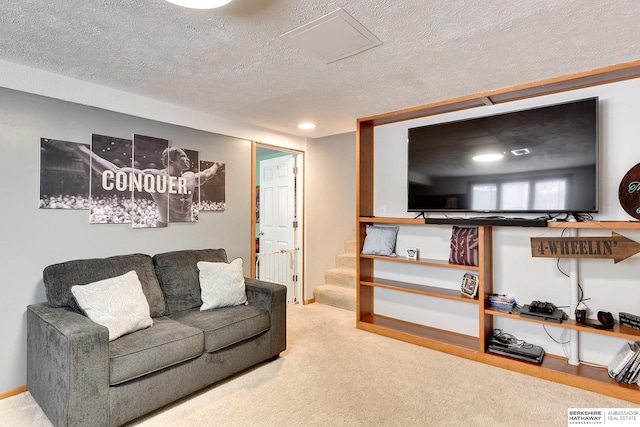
(335, 375)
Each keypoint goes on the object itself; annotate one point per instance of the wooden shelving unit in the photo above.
(553, 368)
(448, 341)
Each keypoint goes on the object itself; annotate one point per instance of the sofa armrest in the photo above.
(68, 366)
(273, 298)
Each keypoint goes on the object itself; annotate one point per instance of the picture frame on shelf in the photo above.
(469, 285)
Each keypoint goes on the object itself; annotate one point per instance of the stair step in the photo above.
(336, 296)
(346, 261)
(345, 277)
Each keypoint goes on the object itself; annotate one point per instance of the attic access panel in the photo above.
(332, 37)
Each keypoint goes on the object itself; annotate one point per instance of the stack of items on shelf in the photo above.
(625, 366)
(504, 301)
(630, 320)
(506, 344)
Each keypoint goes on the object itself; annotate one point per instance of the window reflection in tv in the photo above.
(540, 160)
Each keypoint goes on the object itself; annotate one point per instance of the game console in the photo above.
(507, 345)
(556, 315)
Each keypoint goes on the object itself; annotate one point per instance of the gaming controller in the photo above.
(542, 307)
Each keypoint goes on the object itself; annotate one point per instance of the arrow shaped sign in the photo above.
(616, 247)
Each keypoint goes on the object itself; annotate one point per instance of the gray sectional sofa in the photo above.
(80, 378)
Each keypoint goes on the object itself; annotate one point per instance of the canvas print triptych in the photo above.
(143, 181)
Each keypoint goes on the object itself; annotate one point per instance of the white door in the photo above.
(277, 216)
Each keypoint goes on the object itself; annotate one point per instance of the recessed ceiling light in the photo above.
(306, 126)
(200, 4)
(492, 157)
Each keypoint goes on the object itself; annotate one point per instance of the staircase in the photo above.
(339, 288)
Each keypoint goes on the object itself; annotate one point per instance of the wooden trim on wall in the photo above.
(253, 208)
(364, 175)
(599, 76)
(13, 392)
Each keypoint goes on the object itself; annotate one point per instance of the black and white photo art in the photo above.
(212, 192)
(110, 197)
(64, 178)
(143, 181)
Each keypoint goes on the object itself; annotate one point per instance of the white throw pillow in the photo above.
(380, 240)
(117, 303)
(221, 284)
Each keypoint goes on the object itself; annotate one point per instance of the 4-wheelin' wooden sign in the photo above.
(616, 247)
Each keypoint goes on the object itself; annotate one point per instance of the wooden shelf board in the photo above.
(605, 225)
(437, 339)
(618, 330)
(389, 220)
(432, 291)
(423, 261)
(555, 368)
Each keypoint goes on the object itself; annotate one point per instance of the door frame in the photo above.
(300, 207)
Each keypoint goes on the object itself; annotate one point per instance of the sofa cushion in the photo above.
(59, 278)
(178, 276)
(226, 326)
(222, 284)
(117, 303)
(164, 344)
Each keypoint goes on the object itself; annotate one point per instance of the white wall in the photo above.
(331, 206)
(610, 287)
(33, 238)
(32, 80)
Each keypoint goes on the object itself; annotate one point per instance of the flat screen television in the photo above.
(539, 160)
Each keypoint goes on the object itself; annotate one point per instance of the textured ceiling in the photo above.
(231, 62)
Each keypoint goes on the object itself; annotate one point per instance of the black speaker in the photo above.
(605, 318)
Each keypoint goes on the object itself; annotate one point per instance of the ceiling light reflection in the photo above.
(490, 157)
